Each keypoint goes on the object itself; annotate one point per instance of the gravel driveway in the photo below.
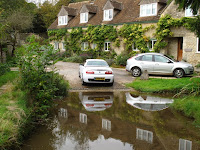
(70, 72)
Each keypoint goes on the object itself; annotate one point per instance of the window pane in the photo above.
(160, 59)
(147, 58)
(148, 10)
(153, 9)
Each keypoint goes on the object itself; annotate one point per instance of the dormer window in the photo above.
(188, 12)
(108, 15)
(62, 20)
(84, 17)
(148, 10)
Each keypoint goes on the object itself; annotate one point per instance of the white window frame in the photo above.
(94, 45)
(198, 45)
(84, 17)
(188, 12)
(62, 20)
(133, 45)
(108, 15)
(83, 118)
(63, 46)
(144, 135)
(56, 45)
(106, 124)
(144, 9)
(84, 46)
(107, 46)
(63, 113)
(152, 44)
(184, 146)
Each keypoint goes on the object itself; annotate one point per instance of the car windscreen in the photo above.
(171, 58)
(96, 63)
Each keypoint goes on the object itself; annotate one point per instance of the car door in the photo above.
(147, 63)
(162, 65)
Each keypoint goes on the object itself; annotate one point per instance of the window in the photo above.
(63, 113)
(185, 144)
(188, 12)
(94, 45)
(148, 10)
(151, 44)
(56, 45)
(106, 124)
(107, 46)
(62, 20)
(108, 15)
(160, 59)
(63, 45)
(83, 118)
(84, 46)
(83, 17)
(147, 58)
(198, 46)
(144, 135)
(134, 47)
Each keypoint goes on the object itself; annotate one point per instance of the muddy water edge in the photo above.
(115, 121)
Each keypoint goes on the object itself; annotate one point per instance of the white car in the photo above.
(148, 103)
(96, 71)
(156, 63)
(96, 101)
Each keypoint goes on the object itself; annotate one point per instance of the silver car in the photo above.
(156, 63)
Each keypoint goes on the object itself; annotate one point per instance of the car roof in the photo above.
(95, 60)
(150, 53)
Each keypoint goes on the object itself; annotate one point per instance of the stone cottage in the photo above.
(183, 45)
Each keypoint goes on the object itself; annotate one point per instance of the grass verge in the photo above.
(8, 77)
(160, 85)
(13, 116)
(190, 106)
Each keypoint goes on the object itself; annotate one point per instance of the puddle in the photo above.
(115, 121)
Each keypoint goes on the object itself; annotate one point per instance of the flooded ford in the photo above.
(117, 120)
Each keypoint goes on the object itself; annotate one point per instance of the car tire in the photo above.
(136, 71)
(83, 83)
(179, 73)
(111, 84)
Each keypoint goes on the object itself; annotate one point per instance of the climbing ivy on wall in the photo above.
(130, 34)
(165, 24)
(134, 34)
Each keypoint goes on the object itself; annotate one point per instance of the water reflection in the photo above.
(96, 101)
(106, 124)
(120, 127)
(144, 135)
(185, 144)
(148, 103)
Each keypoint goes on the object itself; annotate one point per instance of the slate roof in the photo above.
(92, 9)
(129, 13)
(71, 11)
(152, 1)
(116, 4)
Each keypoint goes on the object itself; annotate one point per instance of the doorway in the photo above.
(180, 49)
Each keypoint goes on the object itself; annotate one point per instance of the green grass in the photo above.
(13, 114)
(161, 85)
(8, 77)
(190, 106)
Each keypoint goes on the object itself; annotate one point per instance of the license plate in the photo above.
(100, 79)
(99, 99)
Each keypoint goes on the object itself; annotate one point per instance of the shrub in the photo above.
(42, 86)
(121, 59)
(4, 68)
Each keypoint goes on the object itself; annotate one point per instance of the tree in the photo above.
(193, 4)
(19, 21)
(3, 39)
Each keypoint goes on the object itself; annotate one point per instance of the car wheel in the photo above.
(136, 72)
(83, 83)
(111, 84)
(178, 73)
